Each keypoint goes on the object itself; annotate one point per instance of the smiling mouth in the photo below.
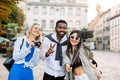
(61, 33)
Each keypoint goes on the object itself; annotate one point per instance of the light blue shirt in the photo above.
(52, 66)
(19, 55)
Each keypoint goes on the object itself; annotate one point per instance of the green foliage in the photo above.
(16, 16)
(11, 15)
(10, 28)
(6, 7)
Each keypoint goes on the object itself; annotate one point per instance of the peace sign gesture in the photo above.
(50, 50)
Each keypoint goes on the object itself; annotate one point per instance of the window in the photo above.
(70, 11)
(62, 1)
(35, 21)
(62, 11)
(70, 25)
(77, 23)
(43, 24)
(43, 10)
(53, 0)
(28, 8)
(51, 24)
(36, 10)
(78, 12)
(52, 11)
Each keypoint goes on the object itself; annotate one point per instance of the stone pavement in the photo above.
(108, 63)
(38, 71)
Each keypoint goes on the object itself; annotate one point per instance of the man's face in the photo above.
(61, 29)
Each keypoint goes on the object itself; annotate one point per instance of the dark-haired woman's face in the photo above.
(61, 29)
(74, 39)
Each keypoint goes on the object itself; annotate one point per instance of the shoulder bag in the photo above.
(10, 61)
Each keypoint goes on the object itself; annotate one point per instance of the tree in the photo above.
(17, 16)
(5, 10)
(6, 7)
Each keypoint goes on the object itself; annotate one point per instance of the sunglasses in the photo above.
(75, 38)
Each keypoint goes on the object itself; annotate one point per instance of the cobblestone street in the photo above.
(108, 63)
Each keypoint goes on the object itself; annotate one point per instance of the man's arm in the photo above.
(93, 23)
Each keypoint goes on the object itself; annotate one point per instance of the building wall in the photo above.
(98, 34)
(106, 30)
(115, 28)
(40, 12)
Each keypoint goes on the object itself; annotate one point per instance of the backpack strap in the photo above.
(22, 43)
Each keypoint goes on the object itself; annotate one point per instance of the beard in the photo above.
(61, 35)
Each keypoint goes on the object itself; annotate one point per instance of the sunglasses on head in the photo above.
(75, 38)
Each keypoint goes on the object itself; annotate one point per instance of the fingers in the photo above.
(98, 8)
(31, 45)
(52, 46)
(50, 50)
(68, 68)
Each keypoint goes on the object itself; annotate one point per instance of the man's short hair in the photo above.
(61, 21)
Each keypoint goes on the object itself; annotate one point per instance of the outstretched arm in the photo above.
(93, 23)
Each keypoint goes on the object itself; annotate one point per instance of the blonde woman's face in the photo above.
(35, 30)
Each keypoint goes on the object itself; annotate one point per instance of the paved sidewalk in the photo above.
(108, 63)
(38, 71)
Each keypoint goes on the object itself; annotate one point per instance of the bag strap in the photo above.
(22, 43)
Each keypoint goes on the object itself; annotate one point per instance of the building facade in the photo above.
(115, 28)
(98, 34)
(47, 12)
(107, 31)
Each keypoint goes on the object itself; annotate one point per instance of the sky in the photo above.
(105, 5)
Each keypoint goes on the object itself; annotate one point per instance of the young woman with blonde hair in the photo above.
(26, 54)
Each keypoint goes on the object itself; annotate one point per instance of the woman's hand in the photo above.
(31, 44)
(98, 9)
(92, 65)
(67, 67)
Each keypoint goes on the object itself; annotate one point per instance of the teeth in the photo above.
(61, 33)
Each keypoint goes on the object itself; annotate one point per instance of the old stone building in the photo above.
(47, 12)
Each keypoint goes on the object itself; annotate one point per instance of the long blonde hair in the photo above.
(38, 38)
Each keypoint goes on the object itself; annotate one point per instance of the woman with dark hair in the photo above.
(26, 55)
(75, 61)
